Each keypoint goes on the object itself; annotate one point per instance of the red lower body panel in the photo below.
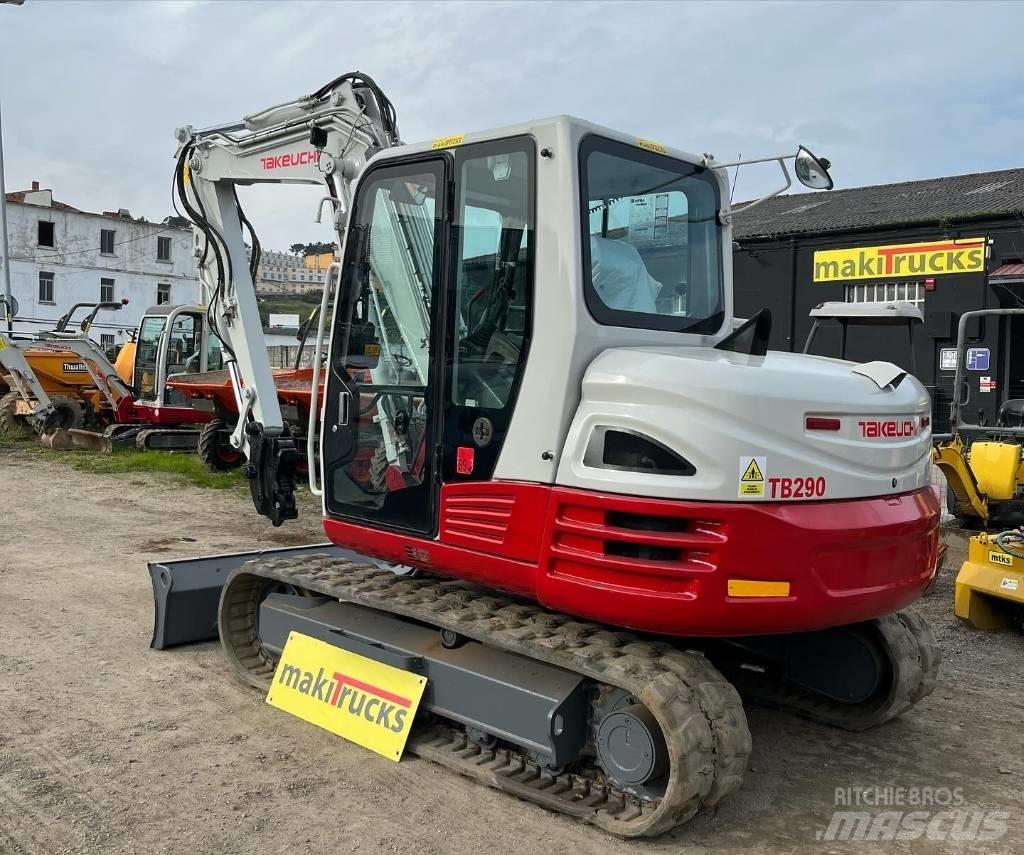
(665, 566)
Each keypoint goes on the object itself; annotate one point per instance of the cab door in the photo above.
(381, 417)
(490, 302)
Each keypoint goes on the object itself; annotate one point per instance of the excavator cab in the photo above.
(171, 340)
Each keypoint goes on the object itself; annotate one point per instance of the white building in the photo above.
(286, 273)
(61, 256)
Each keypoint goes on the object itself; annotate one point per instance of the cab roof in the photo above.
(571, 127)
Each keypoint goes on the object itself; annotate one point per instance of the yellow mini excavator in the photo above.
(984, 467)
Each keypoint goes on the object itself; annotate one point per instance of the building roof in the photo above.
(1007, 273)
(950, 199)
(18, 196)
(42, 197)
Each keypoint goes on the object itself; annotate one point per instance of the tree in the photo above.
(297, 248)
(318, 248)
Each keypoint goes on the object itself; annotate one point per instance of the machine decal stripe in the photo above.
(373, 690)
(913, 248)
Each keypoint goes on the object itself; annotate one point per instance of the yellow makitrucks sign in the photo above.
(367, 702)
(901, 260)
(448, 142)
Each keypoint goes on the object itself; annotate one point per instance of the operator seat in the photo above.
(620, 276)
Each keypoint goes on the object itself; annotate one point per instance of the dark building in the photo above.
(947, 245)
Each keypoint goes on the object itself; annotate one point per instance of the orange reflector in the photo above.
(757, 588)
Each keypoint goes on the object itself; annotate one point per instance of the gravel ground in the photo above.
(109, 747)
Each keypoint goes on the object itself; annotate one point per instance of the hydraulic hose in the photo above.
(1014, 536)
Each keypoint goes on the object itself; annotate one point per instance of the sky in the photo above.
(91, 92)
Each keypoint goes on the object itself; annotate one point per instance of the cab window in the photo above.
(214, 353)
(651, 242)
(183, 351)
(146, 356)
(493, 278)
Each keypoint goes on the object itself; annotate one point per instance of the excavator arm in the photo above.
(323, 139)
(118, 394)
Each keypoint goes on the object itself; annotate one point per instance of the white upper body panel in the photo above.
(719, 410)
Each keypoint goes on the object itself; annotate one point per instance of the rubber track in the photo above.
(914, 656)
(699, 711)
(167, 439)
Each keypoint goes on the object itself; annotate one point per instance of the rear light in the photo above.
(819, 423)
(925, 421)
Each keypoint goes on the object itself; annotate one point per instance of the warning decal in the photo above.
(753, 471)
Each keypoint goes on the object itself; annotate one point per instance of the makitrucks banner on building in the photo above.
(901, 260)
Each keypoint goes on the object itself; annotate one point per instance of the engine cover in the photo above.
(778, 427)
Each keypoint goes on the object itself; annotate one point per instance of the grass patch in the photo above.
(187, 467)
(289, 304)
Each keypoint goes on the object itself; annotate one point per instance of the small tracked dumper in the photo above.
(984, 469)
(558, 481)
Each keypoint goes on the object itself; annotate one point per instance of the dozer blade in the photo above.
(58, 440)
(90, 440)
(186, 592)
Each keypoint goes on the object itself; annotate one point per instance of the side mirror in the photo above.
(812, 171)
(11, 306)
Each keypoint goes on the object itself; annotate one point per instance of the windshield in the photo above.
(146, 355)
(652, 245)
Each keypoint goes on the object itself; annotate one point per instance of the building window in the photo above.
(163, 249)
(107, 341)
(106, 241)
(107, 290)
(163, 293)
(881, 292)
(45, 233)
(46, 287)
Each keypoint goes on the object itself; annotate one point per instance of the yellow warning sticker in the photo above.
(365, 701)
(449, 142)
(651, 145)
(1000, 558)
(3, 344)
(753, 472)
(186, 173)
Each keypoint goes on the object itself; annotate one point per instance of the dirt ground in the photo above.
(109, 747)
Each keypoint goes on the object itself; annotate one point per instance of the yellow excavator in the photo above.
(984, 468)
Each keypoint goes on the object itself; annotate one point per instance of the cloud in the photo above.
(92, 93)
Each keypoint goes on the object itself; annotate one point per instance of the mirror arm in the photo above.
(725, 215)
